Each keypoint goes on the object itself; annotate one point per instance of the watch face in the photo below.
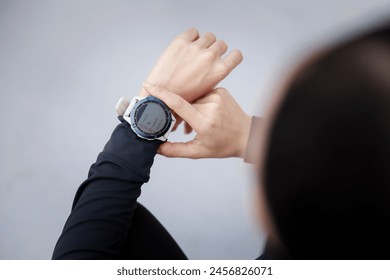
(150, 118)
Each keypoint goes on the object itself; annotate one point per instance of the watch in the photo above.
(149, 117)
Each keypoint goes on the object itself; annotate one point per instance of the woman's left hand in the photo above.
(193, 65)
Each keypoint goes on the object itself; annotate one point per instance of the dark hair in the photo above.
(327, 166)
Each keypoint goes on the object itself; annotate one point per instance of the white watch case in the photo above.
(124, 108)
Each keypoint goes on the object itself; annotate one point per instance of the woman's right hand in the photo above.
(222, 128)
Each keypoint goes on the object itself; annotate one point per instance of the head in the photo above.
(325, 165)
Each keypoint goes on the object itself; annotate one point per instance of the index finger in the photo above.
(184, 109)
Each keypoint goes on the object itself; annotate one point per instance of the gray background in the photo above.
(64, 64)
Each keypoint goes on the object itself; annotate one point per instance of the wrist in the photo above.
(252, 153)
(244, 135)
(144, 93)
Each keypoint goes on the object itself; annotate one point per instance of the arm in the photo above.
(103, 207)
(252, 150)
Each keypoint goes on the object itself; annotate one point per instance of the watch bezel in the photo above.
(133, 120)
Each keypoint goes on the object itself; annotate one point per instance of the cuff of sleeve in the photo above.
(252, 152)
(129, 152)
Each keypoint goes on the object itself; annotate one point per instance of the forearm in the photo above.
(103, 207)
(252, 149)
(101, 214)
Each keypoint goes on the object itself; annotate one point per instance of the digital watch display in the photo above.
(149, 117)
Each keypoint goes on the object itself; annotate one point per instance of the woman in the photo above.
(323, 155)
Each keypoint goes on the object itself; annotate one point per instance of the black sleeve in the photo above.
(104, 204)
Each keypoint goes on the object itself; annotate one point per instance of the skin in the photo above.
(192, 65)
(184, 77)
(187, 72)
(217, 117)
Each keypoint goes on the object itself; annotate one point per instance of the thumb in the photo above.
(180, 150)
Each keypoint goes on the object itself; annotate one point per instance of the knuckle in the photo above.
(193, 31)
(179, 42)
(223, 44)
(210, 125)
(218, 104)
(195, 153)
(210, 35)
(216, 99)
(194, 48)
(176, 102)
(220, 90)
(222, 68)
(169, 152)
(210, 55)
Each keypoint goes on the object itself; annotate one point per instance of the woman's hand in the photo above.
(221, 125)
(192, 65)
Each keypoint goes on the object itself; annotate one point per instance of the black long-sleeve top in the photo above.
(104, 204)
